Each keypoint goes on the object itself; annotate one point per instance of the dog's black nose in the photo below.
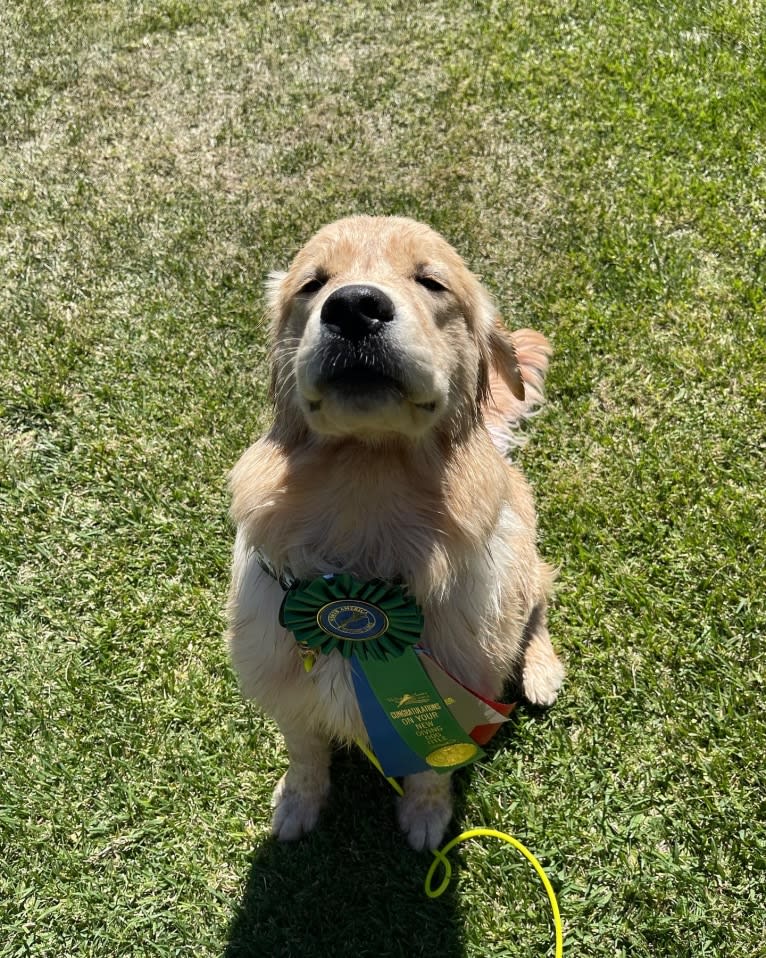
(356, 311)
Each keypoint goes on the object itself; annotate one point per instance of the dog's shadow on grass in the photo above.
(353, 887)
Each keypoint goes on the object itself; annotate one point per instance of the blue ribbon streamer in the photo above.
(394, 755)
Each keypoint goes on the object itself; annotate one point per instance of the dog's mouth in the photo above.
(362, 381)
(357, 380)
(363, 387)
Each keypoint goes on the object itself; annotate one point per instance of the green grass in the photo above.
(602, 166)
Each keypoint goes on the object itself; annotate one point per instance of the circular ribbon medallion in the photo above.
(354, 620)
(376, 619)
(449, 755)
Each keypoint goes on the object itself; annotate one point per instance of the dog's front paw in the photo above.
(425, 809)
(541, 681)
(297, 801)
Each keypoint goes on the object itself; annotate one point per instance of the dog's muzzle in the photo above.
(357, 361)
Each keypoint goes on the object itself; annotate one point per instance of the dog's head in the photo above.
(380, 329)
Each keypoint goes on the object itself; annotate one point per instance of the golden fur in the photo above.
(405, 480)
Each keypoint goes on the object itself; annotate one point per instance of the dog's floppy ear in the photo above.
(504, 359)
(273, 287)
(275, 303)
(498, 352)
(521, 354)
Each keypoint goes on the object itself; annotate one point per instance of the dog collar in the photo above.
(285, 578)
(417, 716)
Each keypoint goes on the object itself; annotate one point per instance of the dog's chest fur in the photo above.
(349, 508)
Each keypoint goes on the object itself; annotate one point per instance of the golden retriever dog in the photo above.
(396, 391)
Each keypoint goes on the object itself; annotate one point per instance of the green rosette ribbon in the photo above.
(374, 620)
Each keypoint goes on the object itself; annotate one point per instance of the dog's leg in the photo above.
(300, 793)
(425, 809)
(542, 672)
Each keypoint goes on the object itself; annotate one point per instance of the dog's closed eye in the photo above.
(431, 283)
(313, 285)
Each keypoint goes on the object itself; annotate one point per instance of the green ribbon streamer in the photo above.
(419, 714)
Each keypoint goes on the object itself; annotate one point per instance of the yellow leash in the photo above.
(440, 858)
